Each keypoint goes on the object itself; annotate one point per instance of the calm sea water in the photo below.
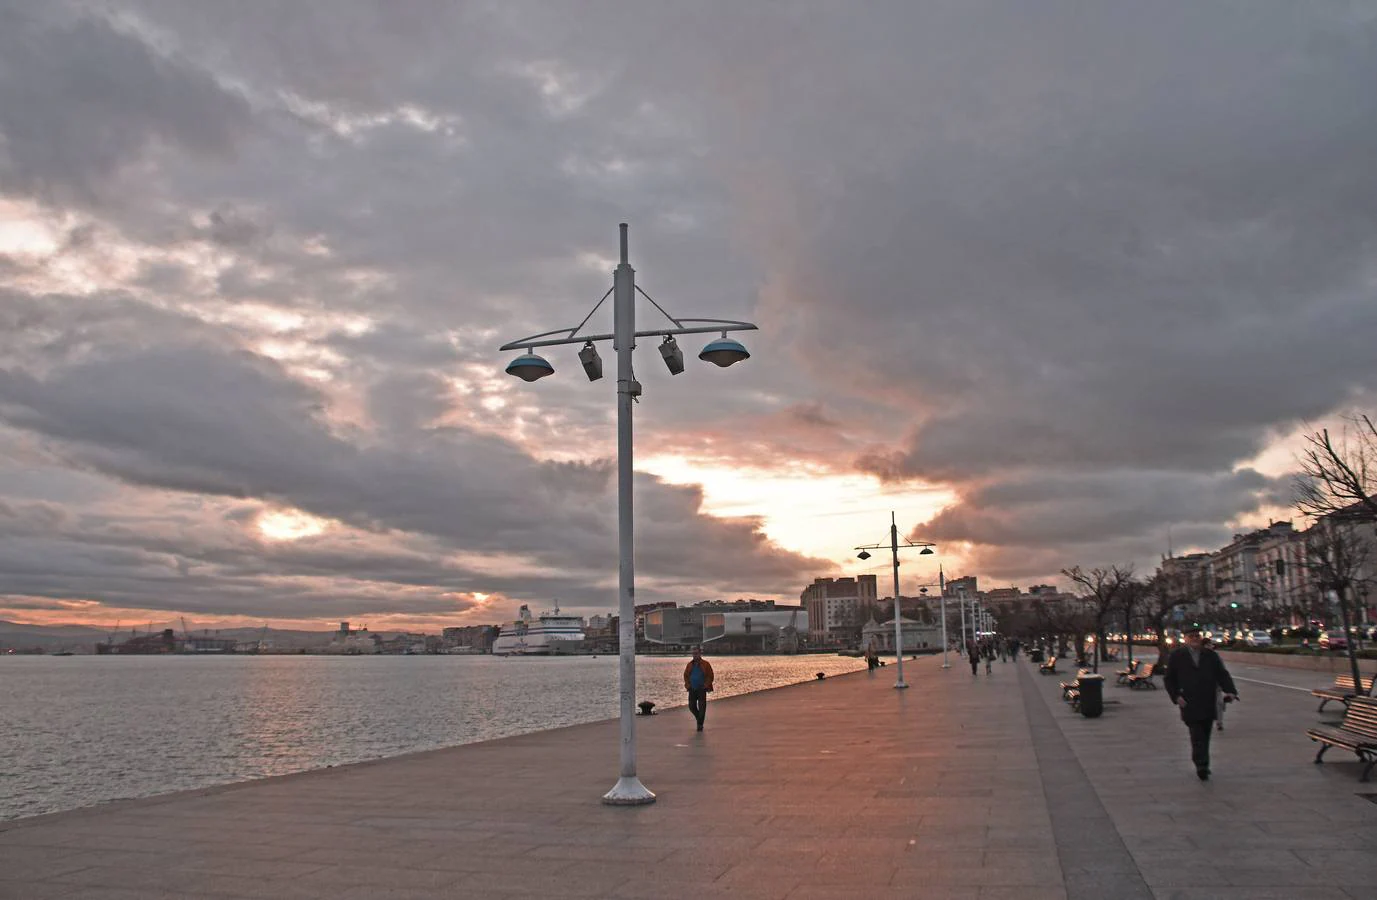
(80, 730)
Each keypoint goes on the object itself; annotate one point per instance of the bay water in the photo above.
(81, 730)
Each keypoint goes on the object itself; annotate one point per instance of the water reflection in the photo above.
(80, 730)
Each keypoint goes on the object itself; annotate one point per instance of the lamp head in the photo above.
(674, 357)
(724, 351)
(530, 367)
(864, 554)
(592, 363)
(926, 551)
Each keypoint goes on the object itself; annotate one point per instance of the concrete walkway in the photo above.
(961, 786)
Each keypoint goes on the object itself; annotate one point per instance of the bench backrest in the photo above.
(1147, 670)
(1345, 683)
(1362, 717)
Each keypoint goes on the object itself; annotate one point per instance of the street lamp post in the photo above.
(723, 351)
(898, 627)
(961, 598)
(942, 593)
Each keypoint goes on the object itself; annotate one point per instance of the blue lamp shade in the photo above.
(723, 352)
(529, 367)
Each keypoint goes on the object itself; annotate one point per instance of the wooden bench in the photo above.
(1357, 733)
(1049, 667)
(1071, 690)
(1126, 674)
(1342, 690)
(1143, 677)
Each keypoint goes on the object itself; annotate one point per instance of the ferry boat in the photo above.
(548, 634)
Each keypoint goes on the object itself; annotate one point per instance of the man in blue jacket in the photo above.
(1195, 674)
(698, 682)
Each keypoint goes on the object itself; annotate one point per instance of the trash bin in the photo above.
(1092, 695)
(1035, 655)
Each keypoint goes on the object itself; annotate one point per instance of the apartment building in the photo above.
(837, 606)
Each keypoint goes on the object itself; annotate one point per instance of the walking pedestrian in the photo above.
(973, 656)
(989, 657)
(698, 683)
(1194, 674)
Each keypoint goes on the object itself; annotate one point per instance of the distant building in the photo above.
(915, 635)
(838, 607)
(966, 584)
(476, 638)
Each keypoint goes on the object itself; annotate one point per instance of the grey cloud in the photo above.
(81, 101)
(230, 424)
(1077, 264)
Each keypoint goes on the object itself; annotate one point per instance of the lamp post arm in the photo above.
(540, 340)
(887, 545)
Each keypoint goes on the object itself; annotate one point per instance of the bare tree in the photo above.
(1336, 560)
(1061, 621)
(1104, 591)
(1338, 475)
(1133, 596)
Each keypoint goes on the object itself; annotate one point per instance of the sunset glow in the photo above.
(289, 525)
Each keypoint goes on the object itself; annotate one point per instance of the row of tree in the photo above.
(1335, 488)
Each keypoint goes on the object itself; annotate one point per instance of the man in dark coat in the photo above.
(1195, 673)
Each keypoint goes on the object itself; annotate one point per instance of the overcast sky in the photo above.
(1047, 279)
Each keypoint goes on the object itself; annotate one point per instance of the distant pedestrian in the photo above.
(1195, 673)
(973, 656)
(872, 659)
(698, 683)
(989, 657)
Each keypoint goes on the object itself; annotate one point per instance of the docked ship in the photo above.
(545, 635)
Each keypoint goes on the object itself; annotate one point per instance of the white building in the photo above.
(916, 635)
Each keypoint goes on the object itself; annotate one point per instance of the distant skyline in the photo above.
(1046, 280)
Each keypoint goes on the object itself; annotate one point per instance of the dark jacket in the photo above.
(1197, 683)
(707, 674)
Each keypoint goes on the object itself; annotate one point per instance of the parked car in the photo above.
(1259, 639)
(1334, 639)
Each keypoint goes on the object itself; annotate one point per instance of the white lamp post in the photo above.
(894, 549)
(942, 589)
(961, 598)
(723, 351)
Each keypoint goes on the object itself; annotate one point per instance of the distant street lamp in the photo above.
(894, 546)
(724, 351)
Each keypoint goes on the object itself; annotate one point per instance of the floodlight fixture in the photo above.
(530, 367)
(592, 363)
(724, 351)
(864, 554)
(674, 357)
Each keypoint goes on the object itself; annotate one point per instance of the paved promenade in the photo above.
(960, 787)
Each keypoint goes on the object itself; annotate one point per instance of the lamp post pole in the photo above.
(898, 625)
(942, 598)
(628, 791)
(961, 598)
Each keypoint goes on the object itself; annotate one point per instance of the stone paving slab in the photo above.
(962, 787)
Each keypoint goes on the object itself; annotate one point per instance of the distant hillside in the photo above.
(82, 638)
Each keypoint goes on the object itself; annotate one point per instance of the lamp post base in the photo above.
(899, 685)
(628, 792)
